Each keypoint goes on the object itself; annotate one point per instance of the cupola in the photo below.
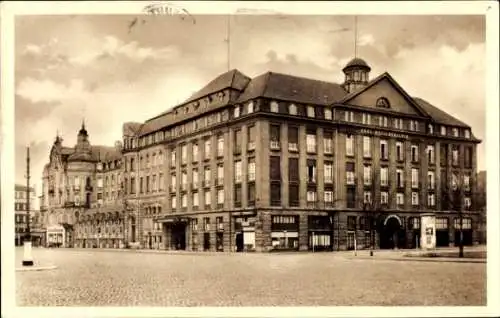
(356, 75)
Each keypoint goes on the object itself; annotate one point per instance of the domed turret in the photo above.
(83, 149)
(356, 74)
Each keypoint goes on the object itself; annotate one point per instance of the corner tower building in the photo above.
(283, 162)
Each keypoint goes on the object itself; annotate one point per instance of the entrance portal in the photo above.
(239, 242)
(392, 235)
(178, 241)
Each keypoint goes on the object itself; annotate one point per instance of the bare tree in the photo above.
(371, 204)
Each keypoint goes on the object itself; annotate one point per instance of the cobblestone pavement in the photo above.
(108, 278)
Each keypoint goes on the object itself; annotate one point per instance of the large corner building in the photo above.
(268, 163)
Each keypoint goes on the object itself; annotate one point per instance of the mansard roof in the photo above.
(292, 88)
(98, 153)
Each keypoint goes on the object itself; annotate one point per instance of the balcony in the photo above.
(275, 145)
(251, 146)
(293, 147)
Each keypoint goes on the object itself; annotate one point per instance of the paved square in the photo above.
(121, 278)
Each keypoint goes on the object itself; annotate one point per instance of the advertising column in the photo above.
(428, 231)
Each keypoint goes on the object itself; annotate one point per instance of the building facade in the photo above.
(281, 162)
(82, 195)
(21, 215)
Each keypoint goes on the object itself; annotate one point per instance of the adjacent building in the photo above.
(21, 216)
(270, 163)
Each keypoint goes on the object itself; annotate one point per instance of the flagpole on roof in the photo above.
(355, 36)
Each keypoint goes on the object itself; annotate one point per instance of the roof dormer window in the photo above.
(250, 108)
(455, 132)
(430, 129)
(292, 109)
(443, 130)
(467, 133)
(236, 111)
(274, 107)
(310, 111)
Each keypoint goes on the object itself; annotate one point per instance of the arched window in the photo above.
(383, 102)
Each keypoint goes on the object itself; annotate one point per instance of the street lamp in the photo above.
(27, 259)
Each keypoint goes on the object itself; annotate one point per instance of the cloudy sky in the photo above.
(97, 68)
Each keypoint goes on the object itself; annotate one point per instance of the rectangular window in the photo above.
(195, 199)
(184, 153)
(414, 153)
(466, 182)
(195, 152)
(275, 194)
(275, 132)
(251, 169)
(384, 155)
(414, 178)
(382, 121)
(384, 197)
(236, 112)
(431, 154)
(328, 170)
(399, 178)
(293, 169)
(251, 194)
(207, 176)
(311, 170)
(443, 130)
(398, 123)
(275, 168)
(311, 142)
(431, 180)
(251, 138)
(173, 200)
(184, 201)
(275, 107)
(351, 197)
(207, 148)
(350, 179)
(468, 157)
(173, 158)
(293, 139)
(467, 203)
(431, 200)
(384, 176)
(367, 197)
(238, 172)
(293, 193)
(349, 145)
(173, 182)
(328, 196)
(220, 174)
(206, 224)
(367, 151)
(208, 199)
(367, 175)
(367, 119)
(414, 198)
(454, 156)
(400, 199)
(467, 133)
(327, 143)
(184, 180)
(455, 132)
(311, 111)
(311, 196)
(328, 114)
(399, 151)
(220, 143)
(220, 197)
(349, 116)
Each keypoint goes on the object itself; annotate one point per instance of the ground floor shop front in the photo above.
(268, 230)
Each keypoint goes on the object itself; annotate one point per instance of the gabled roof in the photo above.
(292, 88)
(98, 153)
(438, 115)
(379, 78)
(131, 128)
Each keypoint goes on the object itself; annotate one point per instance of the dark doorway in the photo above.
(466, 239)
(320, 233)
(442, 238)
(392, 235)
(206, 241)
(179, 236)
(132, 229)
(239, 242)
(220, 242)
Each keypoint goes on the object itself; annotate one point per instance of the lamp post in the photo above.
(27, 259)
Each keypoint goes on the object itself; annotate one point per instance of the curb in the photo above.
(415, 259)
(35, 268)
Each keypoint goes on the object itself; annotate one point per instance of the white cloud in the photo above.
(49, 91)
(366, 39)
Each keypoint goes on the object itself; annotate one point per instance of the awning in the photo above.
(173, 220)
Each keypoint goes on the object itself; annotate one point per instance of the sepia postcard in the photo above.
(242, 159)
